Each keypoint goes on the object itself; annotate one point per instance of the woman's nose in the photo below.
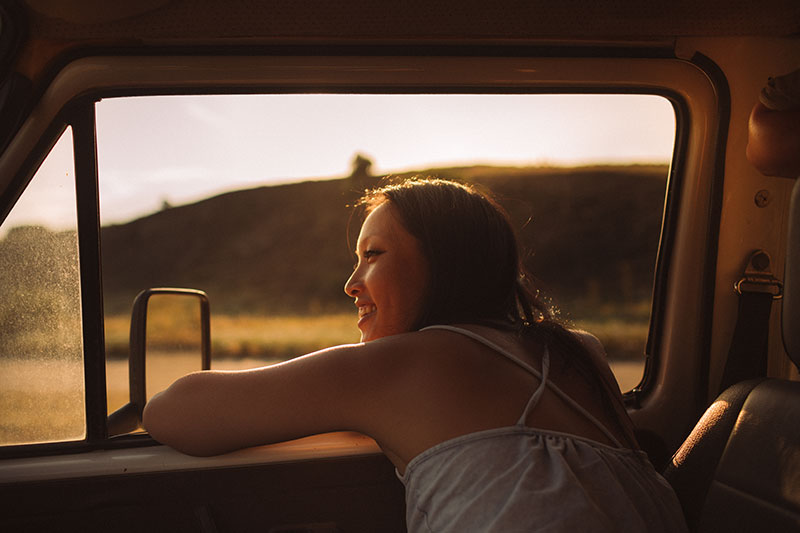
(353, 284)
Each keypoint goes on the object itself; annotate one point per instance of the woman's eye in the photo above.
(366, 255)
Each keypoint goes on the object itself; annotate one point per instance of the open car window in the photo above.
(246, 197)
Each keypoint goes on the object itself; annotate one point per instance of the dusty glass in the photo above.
(41, 353)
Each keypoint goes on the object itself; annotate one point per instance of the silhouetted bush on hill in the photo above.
(590, 234)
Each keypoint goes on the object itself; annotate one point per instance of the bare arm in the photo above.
(208, 413)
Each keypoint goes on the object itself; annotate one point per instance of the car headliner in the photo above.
(209, 20)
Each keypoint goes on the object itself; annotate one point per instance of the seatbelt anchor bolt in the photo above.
(758, 277)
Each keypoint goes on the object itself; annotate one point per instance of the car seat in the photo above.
(739, 469)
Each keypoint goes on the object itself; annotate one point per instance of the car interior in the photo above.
(717, 399)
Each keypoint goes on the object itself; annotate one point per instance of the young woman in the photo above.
(496, 417)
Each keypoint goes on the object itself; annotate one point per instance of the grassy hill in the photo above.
(590, 234)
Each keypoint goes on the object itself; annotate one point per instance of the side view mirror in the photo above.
(163, 320)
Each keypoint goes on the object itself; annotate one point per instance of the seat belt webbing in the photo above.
(747, 356)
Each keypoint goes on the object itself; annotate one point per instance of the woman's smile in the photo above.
(365, 312)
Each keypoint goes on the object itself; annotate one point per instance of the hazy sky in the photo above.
(181, 149)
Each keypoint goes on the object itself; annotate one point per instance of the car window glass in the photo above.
(245, 197)
(41, 354)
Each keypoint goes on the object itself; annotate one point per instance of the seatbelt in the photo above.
(747, 357)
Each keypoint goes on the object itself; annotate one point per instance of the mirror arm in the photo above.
(205, 330)
(129, 417)
(123, 420)
(136, 359)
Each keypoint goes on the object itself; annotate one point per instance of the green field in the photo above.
(284, 337)
(249, 341)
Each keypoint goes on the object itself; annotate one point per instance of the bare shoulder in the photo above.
(599, 356)
(387, 354)
(591, 342)
(417, 346)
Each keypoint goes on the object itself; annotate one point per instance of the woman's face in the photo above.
(388, 283)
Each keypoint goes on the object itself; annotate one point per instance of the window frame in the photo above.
(79, 115)
(76, 87)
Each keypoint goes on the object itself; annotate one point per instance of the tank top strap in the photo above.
(486, 342)
(537, 394)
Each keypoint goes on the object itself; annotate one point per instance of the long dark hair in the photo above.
(476, 274)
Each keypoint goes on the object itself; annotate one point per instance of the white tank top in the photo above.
(519, 478)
